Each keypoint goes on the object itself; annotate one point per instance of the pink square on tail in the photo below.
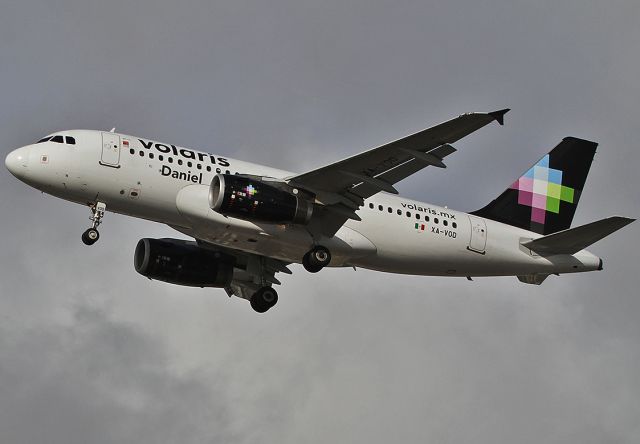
(525, 184)
(539, 201)
(538, 215)
(524, 198)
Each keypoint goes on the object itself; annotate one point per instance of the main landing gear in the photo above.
(316, 259)
(91, 236)
(263, 299)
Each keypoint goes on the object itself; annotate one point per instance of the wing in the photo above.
(341, 187)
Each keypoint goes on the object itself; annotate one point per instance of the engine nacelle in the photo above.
(255, 200)
(182, 263)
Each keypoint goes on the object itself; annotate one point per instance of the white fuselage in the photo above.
(170, 185)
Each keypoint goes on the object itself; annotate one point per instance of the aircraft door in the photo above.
(110, 150)
(478, 240)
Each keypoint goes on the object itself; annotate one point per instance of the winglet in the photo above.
(499, 115)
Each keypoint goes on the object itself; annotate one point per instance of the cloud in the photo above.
(101, 380)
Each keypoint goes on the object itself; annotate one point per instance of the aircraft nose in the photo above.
(17, 161)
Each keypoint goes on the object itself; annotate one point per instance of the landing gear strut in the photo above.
(263, 299)
(316, 259)
(91, 235)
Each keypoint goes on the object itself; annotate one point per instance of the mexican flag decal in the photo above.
(419, 227)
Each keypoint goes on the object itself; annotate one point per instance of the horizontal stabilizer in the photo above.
(575, 239)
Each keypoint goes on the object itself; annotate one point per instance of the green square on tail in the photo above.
(553, 190)
(553, 204)
(566, 194)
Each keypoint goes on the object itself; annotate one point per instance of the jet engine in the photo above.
(255, 200)
(182, 263)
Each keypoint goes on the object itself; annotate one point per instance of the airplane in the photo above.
(250, 222)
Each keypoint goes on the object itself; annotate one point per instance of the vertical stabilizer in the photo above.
(544, 199)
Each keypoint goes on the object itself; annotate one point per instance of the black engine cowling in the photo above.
(254, 200)
(182, 263)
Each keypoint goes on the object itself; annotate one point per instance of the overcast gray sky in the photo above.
(91, 352)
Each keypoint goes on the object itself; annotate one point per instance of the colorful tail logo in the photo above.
(541, 189)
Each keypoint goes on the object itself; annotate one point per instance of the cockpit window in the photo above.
(69, 140)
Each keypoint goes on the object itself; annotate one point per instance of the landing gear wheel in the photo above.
(306, 263)
(90, 236)
(316, 259)
(263, 299)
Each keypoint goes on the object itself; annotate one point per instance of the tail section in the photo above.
(545, 198)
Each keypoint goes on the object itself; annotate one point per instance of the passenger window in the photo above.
(454, 225)
(199, 166)
(417, 215)
(435, 220)
(445, 223)
(371, 206)
(132, 151)
(141, 153)
(390, 210)
(189, 164)
(399, 212)
(160, 157)
(218, 170)
(426, 218)
(227, 171)
(150, 155)
(208, 168)
(170, 159)
(70, 140)
(57, 139)
(408, 213)
(179, 161)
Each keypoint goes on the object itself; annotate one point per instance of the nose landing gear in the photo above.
(316, 259)
(91, 235)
